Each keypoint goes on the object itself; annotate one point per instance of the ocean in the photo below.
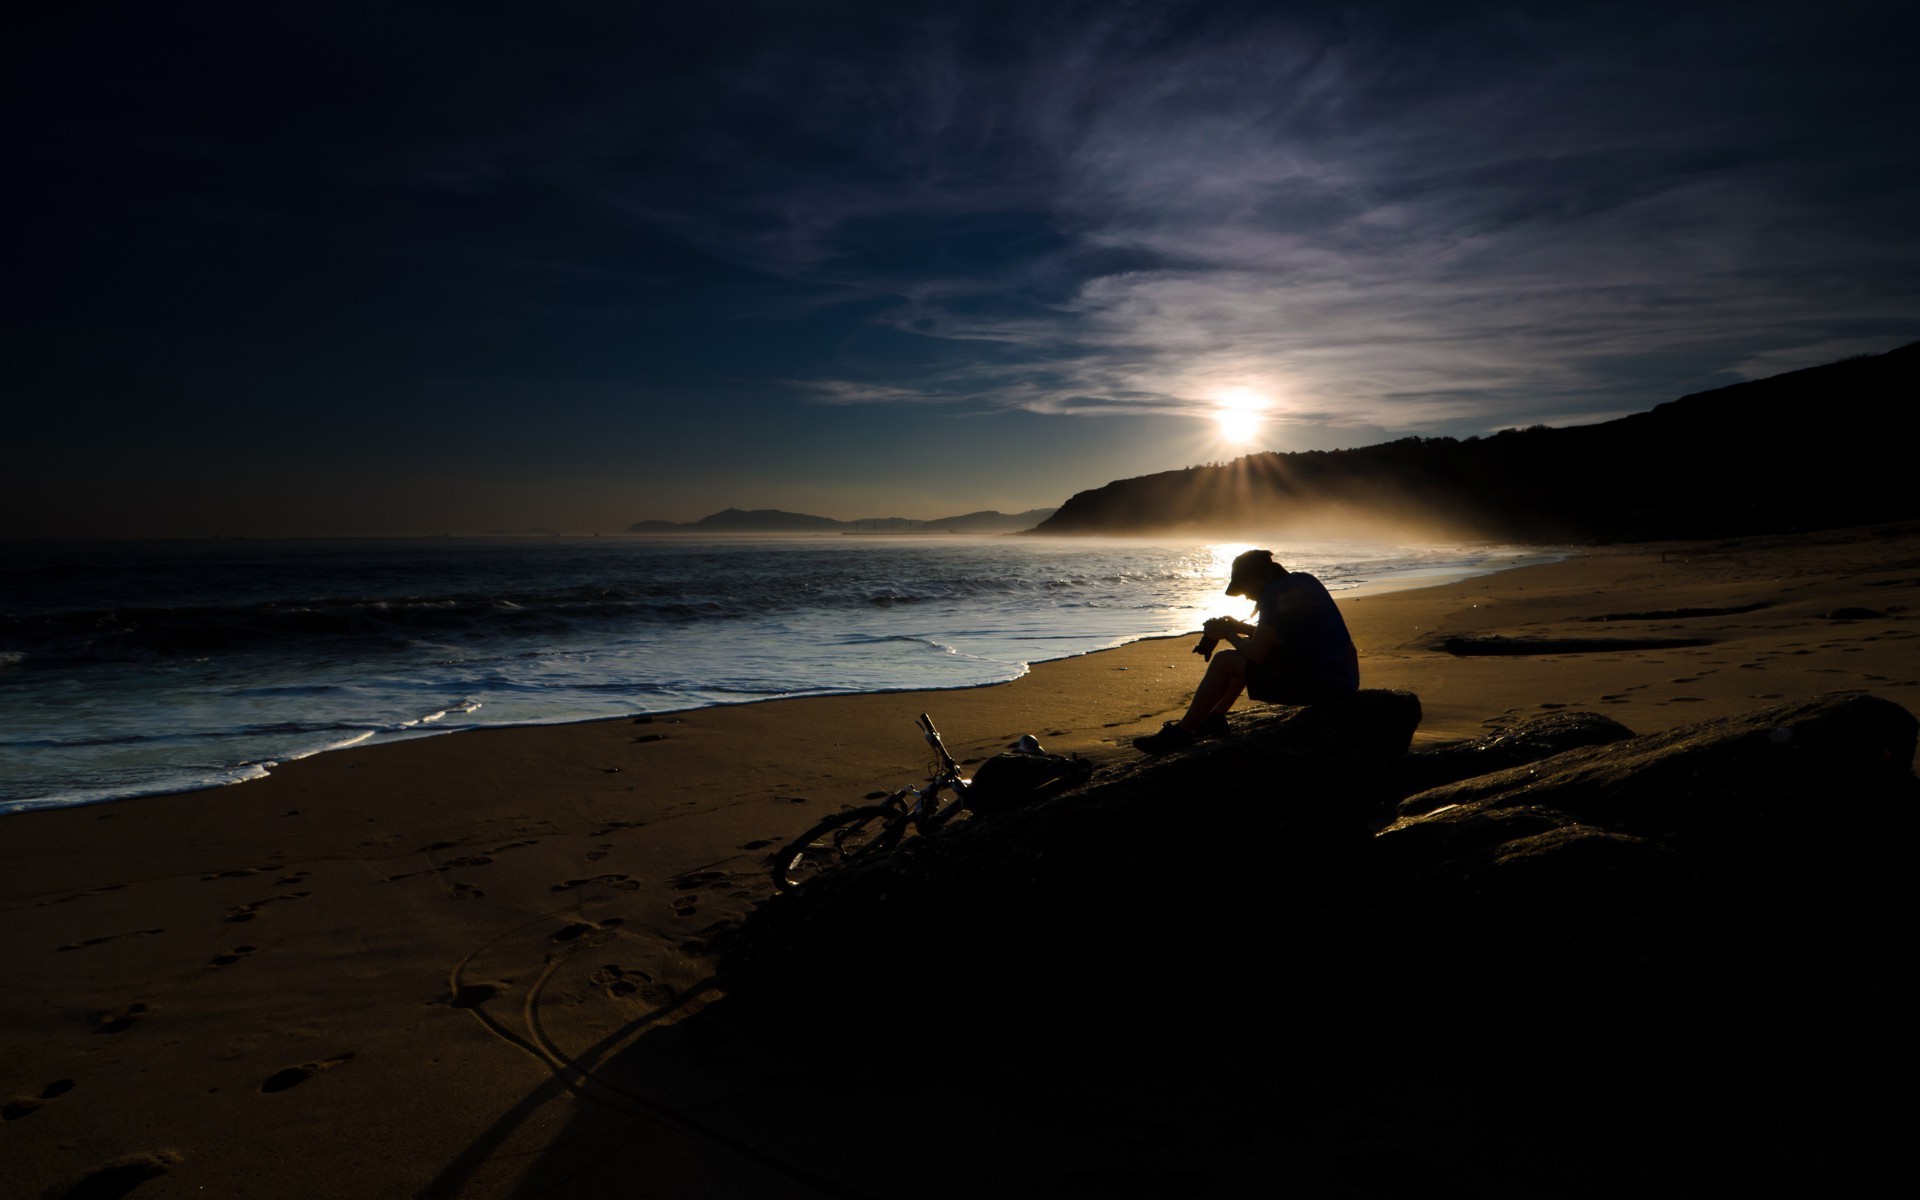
(137, 668)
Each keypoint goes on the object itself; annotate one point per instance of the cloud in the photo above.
(1424, 217)
(1461, 227)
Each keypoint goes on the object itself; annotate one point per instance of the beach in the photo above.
(391, 970)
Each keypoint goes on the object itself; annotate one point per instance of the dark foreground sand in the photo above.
(398, 971)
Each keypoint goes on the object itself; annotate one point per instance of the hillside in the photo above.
(1810, 449)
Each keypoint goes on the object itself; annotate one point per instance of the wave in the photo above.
(129, 680)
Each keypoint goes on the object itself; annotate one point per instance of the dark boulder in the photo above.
(1788, 823)
(1599, 876)
(1525, 742)
(1759, 782)
(1676, 964)
(1062, 886)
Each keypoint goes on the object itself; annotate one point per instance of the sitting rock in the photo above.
(1664, 879)
(1045, 890)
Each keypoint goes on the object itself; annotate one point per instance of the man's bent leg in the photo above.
(1225, 678)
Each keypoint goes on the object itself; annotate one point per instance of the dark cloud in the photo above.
(1390, 218)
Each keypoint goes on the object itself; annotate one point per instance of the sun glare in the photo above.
(1241, 415)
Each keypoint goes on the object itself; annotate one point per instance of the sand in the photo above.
(392, 971)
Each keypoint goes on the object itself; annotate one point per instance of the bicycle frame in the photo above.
(876, 828)
(926, 811)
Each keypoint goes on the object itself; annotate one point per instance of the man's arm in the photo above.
(1256, 642)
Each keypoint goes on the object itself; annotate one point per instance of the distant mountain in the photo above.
(763, 520)
(1815, 448)
(988, 521)
(773, 520)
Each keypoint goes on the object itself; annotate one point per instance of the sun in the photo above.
(1241, 415)
(1240, 428)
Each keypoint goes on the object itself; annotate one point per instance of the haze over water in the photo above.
(136, 668)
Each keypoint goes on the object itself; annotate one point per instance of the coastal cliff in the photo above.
(1805, 450)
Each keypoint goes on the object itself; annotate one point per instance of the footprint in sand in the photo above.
(599, 852)
(236, 873)
(121, 1176)
(618, 981)
(118, 1020)
(20, 1106)
(289, 1077)
(247, 912)
(473, 995)
(587, 933)
(707, 939)
(611, 827)
(411, 874)
(111, 887)
(231, 957)
(685, 906)
(108, 938)
(619, 883)
(464, 891)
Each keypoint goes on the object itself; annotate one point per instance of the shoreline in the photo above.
(252, 772)
(391, 960)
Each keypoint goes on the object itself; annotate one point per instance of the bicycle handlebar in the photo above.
(933, 739)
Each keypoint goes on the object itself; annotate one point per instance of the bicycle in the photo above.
(876, 828)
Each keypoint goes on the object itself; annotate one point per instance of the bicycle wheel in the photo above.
(840, 838)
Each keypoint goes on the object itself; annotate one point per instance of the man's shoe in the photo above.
(1170, 737)
(1214, 726)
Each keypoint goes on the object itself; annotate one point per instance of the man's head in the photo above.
(1251, 571)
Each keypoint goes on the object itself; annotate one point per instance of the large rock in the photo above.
(1525, 741)
(1675, 965)
(1763, 781)
(1062, 886)
(1656, 861)
(1652, 877)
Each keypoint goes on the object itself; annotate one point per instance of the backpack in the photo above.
(1009, 780)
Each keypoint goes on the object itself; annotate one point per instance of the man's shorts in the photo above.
(1277, 681)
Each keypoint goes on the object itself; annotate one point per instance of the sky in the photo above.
(355, 269)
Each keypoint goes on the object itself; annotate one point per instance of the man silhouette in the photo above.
(1299, 653)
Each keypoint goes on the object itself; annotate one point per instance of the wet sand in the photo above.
(393, 970)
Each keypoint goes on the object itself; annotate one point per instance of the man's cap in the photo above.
(1252, 562)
